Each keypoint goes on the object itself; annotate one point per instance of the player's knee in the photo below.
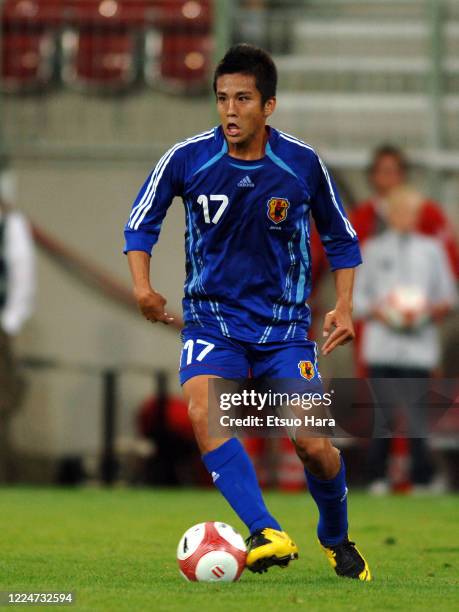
(197, 411)
(312, 450)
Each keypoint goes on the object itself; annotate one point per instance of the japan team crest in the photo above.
(307, 369)
(277, 209)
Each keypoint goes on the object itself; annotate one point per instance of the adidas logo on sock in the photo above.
(246, 182)
(215, 476)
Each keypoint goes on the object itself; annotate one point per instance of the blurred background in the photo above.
(92, 94)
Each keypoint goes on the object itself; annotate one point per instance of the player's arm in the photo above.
(143, 227)
(151, 303)
(338, 327)
(341, 245)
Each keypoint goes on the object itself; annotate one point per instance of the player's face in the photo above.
(387, 174)
(242, 114)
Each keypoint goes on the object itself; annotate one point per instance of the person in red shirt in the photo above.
(389, 169)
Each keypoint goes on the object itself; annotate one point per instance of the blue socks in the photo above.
(234, 475)
(331, 499)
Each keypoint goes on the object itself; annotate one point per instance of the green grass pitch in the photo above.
(116, 551)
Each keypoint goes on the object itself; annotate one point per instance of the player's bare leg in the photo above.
(233, 474)
(326, 480)
(318, 456)
(196, 393)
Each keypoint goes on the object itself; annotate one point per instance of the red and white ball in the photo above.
(406, 307)
(211, 552)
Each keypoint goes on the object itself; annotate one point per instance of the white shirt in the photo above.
(19, 256)
(392, 260)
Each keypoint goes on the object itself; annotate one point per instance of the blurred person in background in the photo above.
(403, 290)
(163, 421)
(17, 289)
(388, 170)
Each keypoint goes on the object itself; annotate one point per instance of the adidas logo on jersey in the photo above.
(215, 476)
(246, 182)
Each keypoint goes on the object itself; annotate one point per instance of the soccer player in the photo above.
(248, 191)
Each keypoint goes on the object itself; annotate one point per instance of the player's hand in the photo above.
(338, 329)
(151, 305)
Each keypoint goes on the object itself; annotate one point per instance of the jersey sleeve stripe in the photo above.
(297, 141)
(347, 223)
(350, 230)
(148, 200)
(146, 194)
(151, 188)
(149, 203)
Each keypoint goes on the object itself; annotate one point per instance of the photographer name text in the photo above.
(271, 420)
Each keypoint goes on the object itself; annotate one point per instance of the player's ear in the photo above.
(269, 107)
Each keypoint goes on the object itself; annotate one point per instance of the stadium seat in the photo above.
(177, 62)
(32, 13)
(178, 45)
(27, 61)
(98, 61)
(184, 15)
(108, 12)
(29, 34)
(100, 44)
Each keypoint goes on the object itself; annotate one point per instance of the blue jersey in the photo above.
(248, 262)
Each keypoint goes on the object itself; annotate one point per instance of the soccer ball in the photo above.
(211, 552)
(406, 307)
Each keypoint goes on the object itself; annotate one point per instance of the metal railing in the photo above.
(110, 408)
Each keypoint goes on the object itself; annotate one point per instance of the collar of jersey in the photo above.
(246, 164)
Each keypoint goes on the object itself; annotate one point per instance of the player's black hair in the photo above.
(388, 150)
(248, 59)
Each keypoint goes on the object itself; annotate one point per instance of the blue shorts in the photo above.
(208, 352)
